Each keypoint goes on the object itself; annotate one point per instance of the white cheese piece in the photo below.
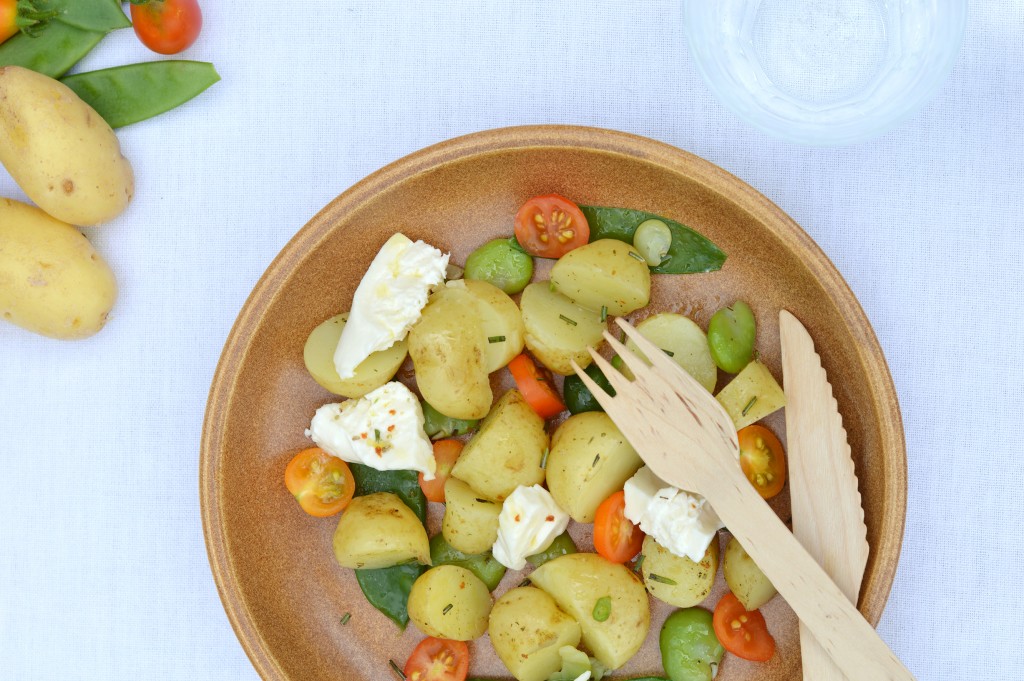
(388, 300)
(529, 521)
(383, 430)
(683, 523)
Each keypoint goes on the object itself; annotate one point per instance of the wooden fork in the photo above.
(688, 440)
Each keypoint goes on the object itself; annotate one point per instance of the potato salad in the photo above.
(522, 471)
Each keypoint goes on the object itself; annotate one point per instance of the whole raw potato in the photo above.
(52, 281)
(60, 151)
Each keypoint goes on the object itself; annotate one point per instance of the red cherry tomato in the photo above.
(535, 384)
(763, 460)
(438, 659)
(446, 453)
(741, 632)
(167, 26)
(615, 537)
(551, 226)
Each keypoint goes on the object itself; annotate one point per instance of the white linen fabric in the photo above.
(103, 570)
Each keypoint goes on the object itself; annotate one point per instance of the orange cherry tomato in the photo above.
(446, 453)
(741, 632)
(438, 659)
(322, 484)
(167, 26)
(551, 226)
(763, 460)
(535, 384)
(615, 537)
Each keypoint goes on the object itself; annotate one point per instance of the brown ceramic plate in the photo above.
(273, 564)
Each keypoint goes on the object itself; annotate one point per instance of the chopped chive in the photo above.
(750, 404)
(396, 669)
(544, 458)
(525, 582)
(495, 339)
(664, 260)
(345, 618)
(376, 434)
(602, 609)
(446, 610)
(484, 501)
(596, 459)
(604, 313)
(639, 562)
(552, 287)
(663, 580)
(567, 320)
(637, 256)
(668, 352)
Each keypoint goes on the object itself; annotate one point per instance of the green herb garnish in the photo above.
(396, 669)
(345, 618)
(447, 609)
(662, 580)
(637, 256)
(750, 405)
(495, 339)
(604, 313)
(544, 458)
(567, 320)
(668, 352)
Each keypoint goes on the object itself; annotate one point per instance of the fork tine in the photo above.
(635, 363)
(655, 355)
(617, 380)
(603, 398)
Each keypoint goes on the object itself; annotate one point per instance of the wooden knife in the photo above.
(828, 518)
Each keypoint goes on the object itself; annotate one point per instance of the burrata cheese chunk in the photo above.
(382, 430)
(388, 300)
(683, 523)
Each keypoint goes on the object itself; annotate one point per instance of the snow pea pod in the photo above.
(482, 565)
(54, 49)
(128, 94)
(101, 16)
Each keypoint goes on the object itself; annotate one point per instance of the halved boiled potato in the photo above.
(448, 348)
(502, 323)
(751, 395)
(470, 522)
(678, 580)
(557, 329)
(379, 531)
(744, 578)
(527, 630)
(450, 602)
(604, 274)
(578, 581)
(687, 344)
(372, 372)
(590, 459)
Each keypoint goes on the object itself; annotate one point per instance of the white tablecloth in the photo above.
(103, 570)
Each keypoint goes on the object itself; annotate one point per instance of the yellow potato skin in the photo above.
(693, 581)
(527, 630)
(450, 602)
(61, 152)
(52, 281)
(378, 531)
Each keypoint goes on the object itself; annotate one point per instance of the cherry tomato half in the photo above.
(322, 484)
(446, 453)
(763, 460)
(551, 226)
(741, 632)
(615, 537)
(167, 26)
(438, 659)
(535, 384)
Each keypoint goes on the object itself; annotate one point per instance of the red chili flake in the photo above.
(550, 518)
(392, 412)
(379, 450)
(391, 428)
(364, 436)
(517, 517)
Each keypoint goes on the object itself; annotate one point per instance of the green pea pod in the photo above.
(128, 94)
(437, 426)
(482, 565)
(101, 16)
(689, 253)
(54, 49)
(562, 545)
(578, 397)
(387, 589)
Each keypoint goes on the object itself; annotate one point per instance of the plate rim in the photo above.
(672, 159)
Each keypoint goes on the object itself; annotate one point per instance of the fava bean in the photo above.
(690, 651)
(731, 334)
(128, 94)
(653, 239)
(502, 264)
